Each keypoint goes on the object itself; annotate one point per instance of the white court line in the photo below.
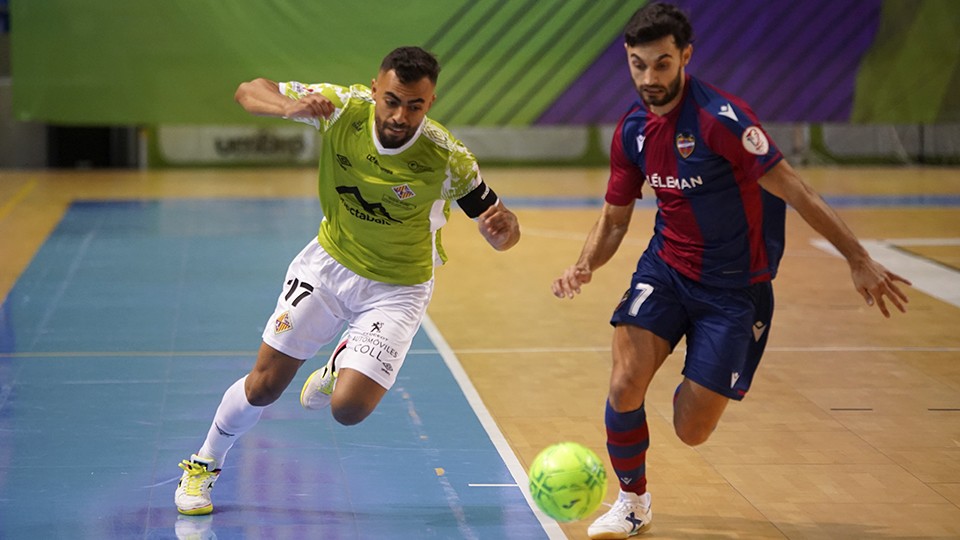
(925, 242)
(936, 280)
(490, 426)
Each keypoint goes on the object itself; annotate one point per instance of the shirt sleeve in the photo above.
(463, 173)
(338, 95)
(626, 177)
(741, 140)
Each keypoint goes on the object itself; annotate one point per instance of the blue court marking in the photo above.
(116, 346)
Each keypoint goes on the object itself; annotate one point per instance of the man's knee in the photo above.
(261, 392)
(348, 415)
(270, 376)
(693, 433)
(627, 392)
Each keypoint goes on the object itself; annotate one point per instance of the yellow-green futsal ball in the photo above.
(567, 481)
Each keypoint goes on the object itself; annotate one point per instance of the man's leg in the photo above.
(243, 402)
(354, 397)
(637, 355)
(238, 412)
(696, 412)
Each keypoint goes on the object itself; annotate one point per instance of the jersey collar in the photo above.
(394, 151)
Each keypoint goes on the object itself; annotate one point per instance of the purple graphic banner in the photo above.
(792, 61)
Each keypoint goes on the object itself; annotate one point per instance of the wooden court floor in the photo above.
(851, 430)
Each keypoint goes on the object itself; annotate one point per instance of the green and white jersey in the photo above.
(383, 207)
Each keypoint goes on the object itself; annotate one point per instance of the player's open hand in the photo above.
(499, 226)
(310, 106)
(873, 282)
(568, 285)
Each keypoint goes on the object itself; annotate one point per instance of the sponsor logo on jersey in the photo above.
(396, 203)
(376, 327)
(283, 323)
(373, 159)
(374, 212)
(343, 161)
(670, 182)
(358, 125)
(403, 192)
(418, 167)
(754, 141)
(685, 144)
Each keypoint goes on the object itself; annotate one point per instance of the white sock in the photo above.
(235, 416)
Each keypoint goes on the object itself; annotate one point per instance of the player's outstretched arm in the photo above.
(262, 97)
(499, 226)
(870, 278)
(601, 244)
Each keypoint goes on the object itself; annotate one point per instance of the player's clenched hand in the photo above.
(499, 227)
(568, 285)
(311, 106)
(873, 282)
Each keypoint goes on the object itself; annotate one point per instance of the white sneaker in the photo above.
(193, 491)
(631, 514)
(319, 386)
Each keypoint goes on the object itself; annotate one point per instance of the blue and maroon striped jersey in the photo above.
(714, 223)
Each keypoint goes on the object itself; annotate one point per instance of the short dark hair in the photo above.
(655, 21)
(411, 64)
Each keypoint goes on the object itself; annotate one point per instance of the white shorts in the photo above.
(320, 296)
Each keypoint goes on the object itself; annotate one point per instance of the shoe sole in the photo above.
(620, 536)
(202, 511)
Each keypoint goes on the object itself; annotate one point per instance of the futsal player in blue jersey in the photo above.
(722, 187)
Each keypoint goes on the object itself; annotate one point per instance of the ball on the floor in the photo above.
(567, 481)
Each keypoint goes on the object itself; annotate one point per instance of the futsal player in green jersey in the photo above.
(387, 176)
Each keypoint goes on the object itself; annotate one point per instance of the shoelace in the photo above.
(618, 510)
(197, 477)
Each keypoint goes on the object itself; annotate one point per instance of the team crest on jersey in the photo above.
(403, 192)
(283, 323)
(685, 144)
(754, 141)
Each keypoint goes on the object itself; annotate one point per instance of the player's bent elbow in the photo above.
(247, 88)
(242, 92)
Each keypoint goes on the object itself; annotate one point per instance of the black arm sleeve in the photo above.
(478, 200)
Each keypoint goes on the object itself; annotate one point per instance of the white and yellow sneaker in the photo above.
(319, 385)
(193, 491)
(631, 514)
